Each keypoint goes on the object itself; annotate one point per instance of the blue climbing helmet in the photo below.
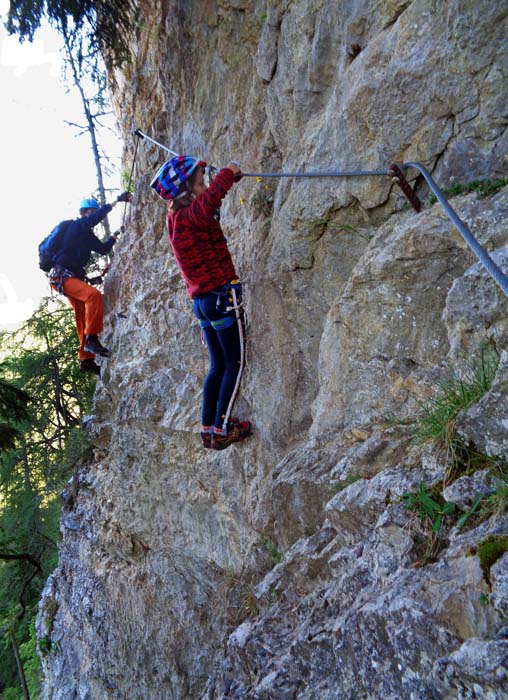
(170, 176)
(89, 204)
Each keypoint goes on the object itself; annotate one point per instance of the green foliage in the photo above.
(31, 664)
(13, 410)
(437, 424)
(45, 645)
(437, 420)
(12, 694)
(40, 360)
(434, 512)
(347, 481)
(489, 551)
(106, 25)
(428, 506)
(272, 549)
(484, 188)
(497, 502)
(127, 183)
(474, 509)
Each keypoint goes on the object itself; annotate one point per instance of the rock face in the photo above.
(288, 567)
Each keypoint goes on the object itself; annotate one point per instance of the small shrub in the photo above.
(432, 510)
(272, 549)
(428, 506)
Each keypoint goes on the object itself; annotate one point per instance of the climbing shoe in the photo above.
(237, 430)
(92, 344)
(89, 365)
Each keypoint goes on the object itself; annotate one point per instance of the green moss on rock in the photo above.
(489, 551)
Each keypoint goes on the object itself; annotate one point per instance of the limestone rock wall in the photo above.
(287, 567)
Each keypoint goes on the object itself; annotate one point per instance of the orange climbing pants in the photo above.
(88, 310)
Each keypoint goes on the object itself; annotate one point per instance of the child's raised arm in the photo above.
(207, 203)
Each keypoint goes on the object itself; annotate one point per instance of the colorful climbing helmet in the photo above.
(169, 177)
(89, 204)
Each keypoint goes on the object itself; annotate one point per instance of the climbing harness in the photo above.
(396, 173)
(57, 277)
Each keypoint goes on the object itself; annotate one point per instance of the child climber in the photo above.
(203, 257)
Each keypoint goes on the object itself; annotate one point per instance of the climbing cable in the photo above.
(142, 135)
(129, 184)
(331, 173)
(494, 270)
(395, 171)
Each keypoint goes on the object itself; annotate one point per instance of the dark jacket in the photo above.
(79, 241)
(198, 242)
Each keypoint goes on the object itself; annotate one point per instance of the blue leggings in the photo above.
(222, 335)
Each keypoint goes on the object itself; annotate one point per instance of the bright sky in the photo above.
(45, 169)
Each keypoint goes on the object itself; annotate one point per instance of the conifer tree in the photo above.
(13, 409)
(51, 398)
(106, 24)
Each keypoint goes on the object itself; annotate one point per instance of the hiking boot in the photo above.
(242, 424)
(89, 365)
(238, 430)
(92, 344)
(206, 439)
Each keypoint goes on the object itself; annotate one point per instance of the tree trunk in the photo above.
(19, 664)
(90, 124)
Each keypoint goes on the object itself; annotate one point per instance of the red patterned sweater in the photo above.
(198, 243)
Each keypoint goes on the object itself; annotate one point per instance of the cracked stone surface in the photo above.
(288, 567)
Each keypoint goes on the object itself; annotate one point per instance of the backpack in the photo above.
(50, 246)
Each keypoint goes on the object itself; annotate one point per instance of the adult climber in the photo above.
(68, 277)
(202, 254)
